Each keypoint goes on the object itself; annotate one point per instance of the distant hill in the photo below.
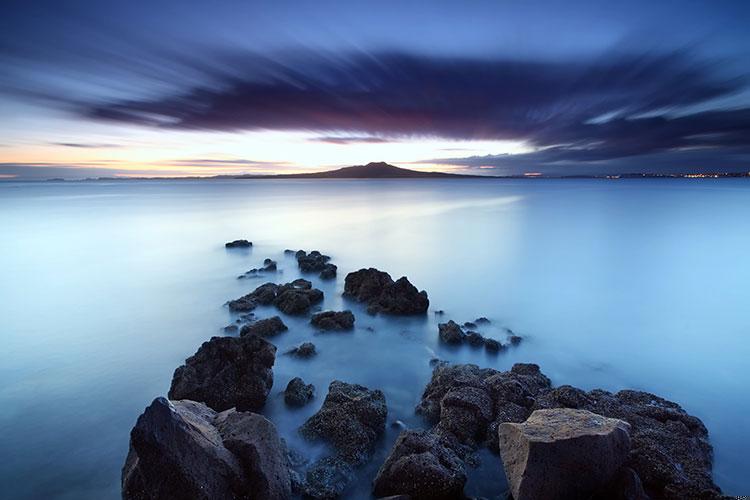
(375, 170)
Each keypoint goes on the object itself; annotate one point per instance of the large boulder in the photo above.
(421, 467)
(227, 372)
(562, 453)
(265, 327)
(384, 295)
(183, 449)
(333, 320)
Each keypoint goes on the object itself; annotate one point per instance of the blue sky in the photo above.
(91, 88)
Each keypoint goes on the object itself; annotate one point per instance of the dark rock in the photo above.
(304, 350)
(296, 297)
(625, 485)
(474, 339)
(515, 339)
(482, 321)
(333, 320)
(183, 449)
(289, 252)
(227, 372)
(492, 345)
(439, 312)
(269, 265)
(421, 467)
(351, 420)
(382, 294)
(451, 332)
(297, 393)
(230, 328)
(327, 478)
(469, 325)
(239, 244)
(465, 413)
(264, 327)
(562, 453)
(328, 272)
(316, 262)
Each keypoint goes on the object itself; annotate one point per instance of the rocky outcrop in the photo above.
(421, 467)
(351, 421)
(268, 327)
(298, 393)
(239, 244)
(269, 266)
(333, 320)
(304, 350)
(293, 298)
(183, 449)
(383, 295)
(451, 332)
(227, 372)
(562, 453)
(315, 262)
(454, 334)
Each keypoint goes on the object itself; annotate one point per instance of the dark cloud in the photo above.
(82, 145)
(584, 110)
(344, 140)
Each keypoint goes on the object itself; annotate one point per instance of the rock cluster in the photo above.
(383, 295)
(227, 372)
(453, 333)
(316, 262)
(293, 298)
(239, 244)
(333, 320)
(351, 420)
(268, 327)
(183, 449)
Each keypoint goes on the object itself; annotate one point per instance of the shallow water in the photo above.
(108, 286)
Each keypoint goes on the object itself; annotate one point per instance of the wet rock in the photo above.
(183, 449)
(333, 320)
(515, 339)
(482, 321)
(492, 345)
(384, 295)
(269, 265)
(328, 272)
(316, 262)
(297, 393)
(474, 339)
(351, 420)
(469, 325)
(227, 372)
(451, 332)
(327, 478)
(465, 413)
(421, 467)
(239, 244)
(304, 350)
(296, 297)
(562, 453)
(264, 327)
(230, 329)
(625, 485)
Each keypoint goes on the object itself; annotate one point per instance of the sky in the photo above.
(182, 88)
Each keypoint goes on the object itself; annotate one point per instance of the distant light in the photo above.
(532, 174)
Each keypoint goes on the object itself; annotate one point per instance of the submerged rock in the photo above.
(304, 350)
(421, 467)
(492, 345)
(451, 332)
(264, 327)
(474, 339)
(562, 453)
(183, 449)
(239, 244)
(227, 372)
(297, 393)
(333, 320)
(384, 295)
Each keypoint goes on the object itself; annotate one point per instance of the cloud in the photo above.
(86, 145)
(344, 140)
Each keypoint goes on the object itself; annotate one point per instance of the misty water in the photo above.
(108, 286)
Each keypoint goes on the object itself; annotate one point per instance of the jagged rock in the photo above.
(183, 449)
(384, 295)
(327, 478)
(265, 327)
(269, 265)
(304, 350)
(562, 453)
(465, 413)
(333, 320)
(239, 244)
(227, 372)
(469, 325)
(482, 321)
(492, 345)
(297, 393)
(421, 467)
(291, 298)
(328, 272)
(474, 339)
(451, 332)
(316, 262)
(351, 420)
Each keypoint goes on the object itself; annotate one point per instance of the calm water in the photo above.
(107, 287)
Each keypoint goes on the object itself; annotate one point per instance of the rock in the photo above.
(492, 345)
(562, 453)
(176, 452)
(269, 265)
(515, 339)
(304, 350)
(482, 321)
(469, 325)
(289, 252)
(264, 327)
(227, 372)
(296, 297)
(333, 320)
(297, 393)
(474, 339)
(421, 467)
(382, 294)
(465, 413)
(239, 244)
(625, 485)
(451, 332)
(439, 312)
(183, 449)
(316, 262)
(328, 272)
(253, 439)
(351, 420)
(327, 478)
(230, 329)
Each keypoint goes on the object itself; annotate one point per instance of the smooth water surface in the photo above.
(108, 286)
